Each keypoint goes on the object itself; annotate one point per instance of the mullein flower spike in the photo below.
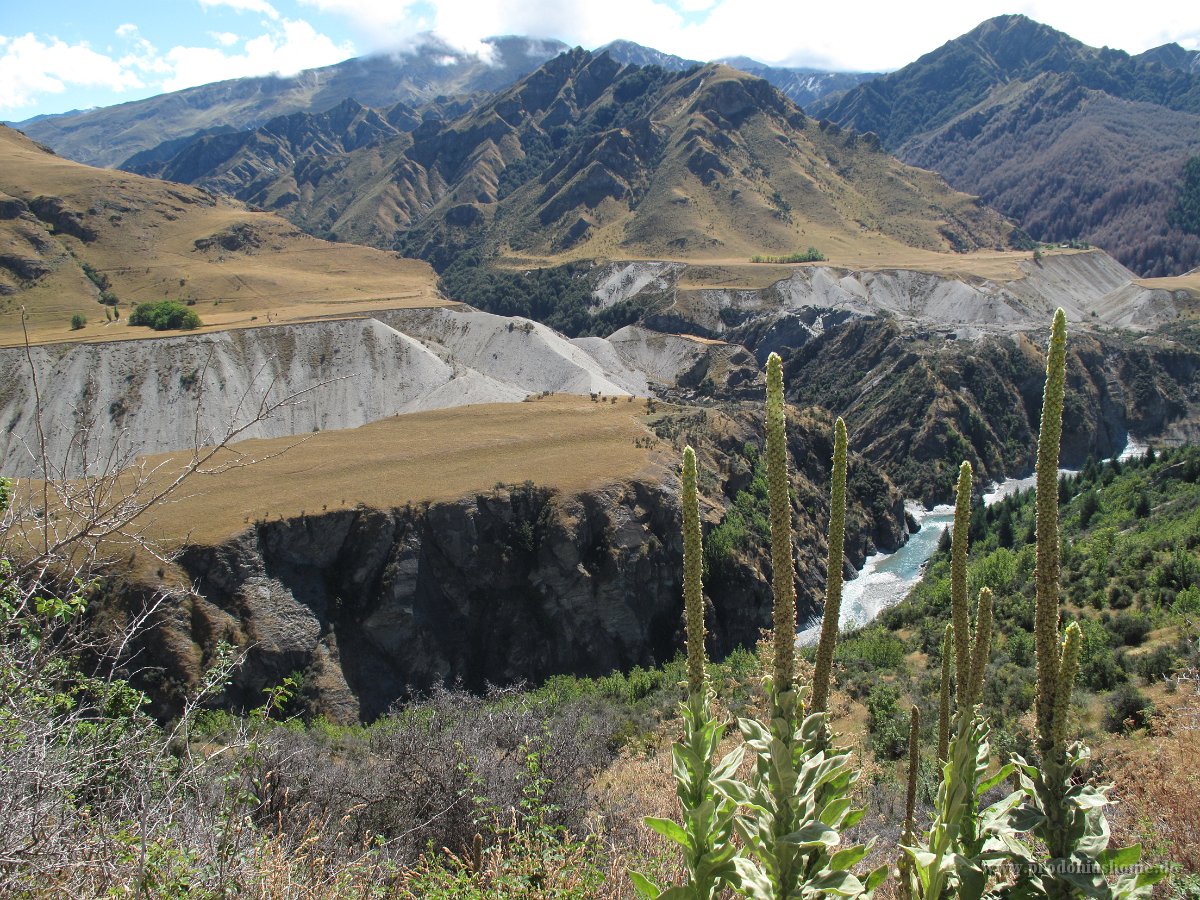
(914, 759)
(693, 591)
(833, 577)
(959, 612)
(1071, 647)
(1047, 567)
(983, 643)
(783, 573)
(944, 700)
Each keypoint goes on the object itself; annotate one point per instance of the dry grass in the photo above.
(737, 273)
(1157, 781)
(144, 242)
(562, 441)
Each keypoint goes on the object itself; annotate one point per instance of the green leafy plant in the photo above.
(1064, 811)
(964, 842)
(797, 802)
(706, 835)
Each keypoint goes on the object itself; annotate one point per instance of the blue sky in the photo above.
(73, 55)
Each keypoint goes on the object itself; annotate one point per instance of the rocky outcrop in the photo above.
(514, 585)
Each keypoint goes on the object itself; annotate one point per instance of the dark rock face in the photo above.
(918, 404)
(515, 585)
(64, 221)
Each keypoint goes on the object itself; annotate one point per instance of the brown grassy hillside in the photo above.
(562, 441)
(149, 240)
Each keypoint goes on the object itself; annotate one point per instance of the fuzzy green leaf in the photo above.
(644, 886)
(729, 764)
(988, 783)
(670, 830)
(812, 835)
(851, 856)
(842, 884)
(1119, 857)
(751, 881)
(876, 878)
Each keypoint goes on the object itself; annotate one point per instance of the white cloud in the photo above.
(864, 35)
(294, 46)
(126, 30)
(255, 6)
(30, 67)
(224, 38)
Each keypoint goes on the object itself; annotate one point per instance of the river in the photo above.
(886, 578)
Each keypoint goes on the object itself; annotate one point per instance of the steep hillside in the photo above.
(586, 158)
(1070, 141)
(75, 240)
(1068, 162)
(107, 136)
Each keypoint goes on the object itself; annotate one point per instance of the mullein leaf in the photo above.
(645, 888)
(670, 830)
(851, 856)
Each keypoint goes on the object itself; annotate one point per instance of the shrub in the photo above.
(1130, 708)
(885, 721)
(166, 315)
(78, 321)
(1157, 663)
(1130, 628)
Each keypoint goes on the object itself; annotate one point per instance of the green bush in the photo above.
(78, 321)
(885, 722)
(166, 315)
(1158, 663)
(1129, 708)
(1130, 628)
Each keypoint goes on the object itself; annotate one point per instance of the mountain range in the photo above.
(1071, 142)
(586, 157)
(429, 70)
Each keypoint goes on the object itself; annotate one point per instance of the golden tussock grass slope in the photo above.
(1188, 283)
(563, 441)
(153, 240)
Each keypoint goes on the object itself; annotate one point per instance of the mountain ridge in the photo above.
(1073, 142)
(109, 135)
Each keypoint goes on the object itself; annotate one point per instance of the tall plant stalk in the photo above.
(706, 834)
(830, 621)
(951, 859)
(1066, 815)
(798, 800)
